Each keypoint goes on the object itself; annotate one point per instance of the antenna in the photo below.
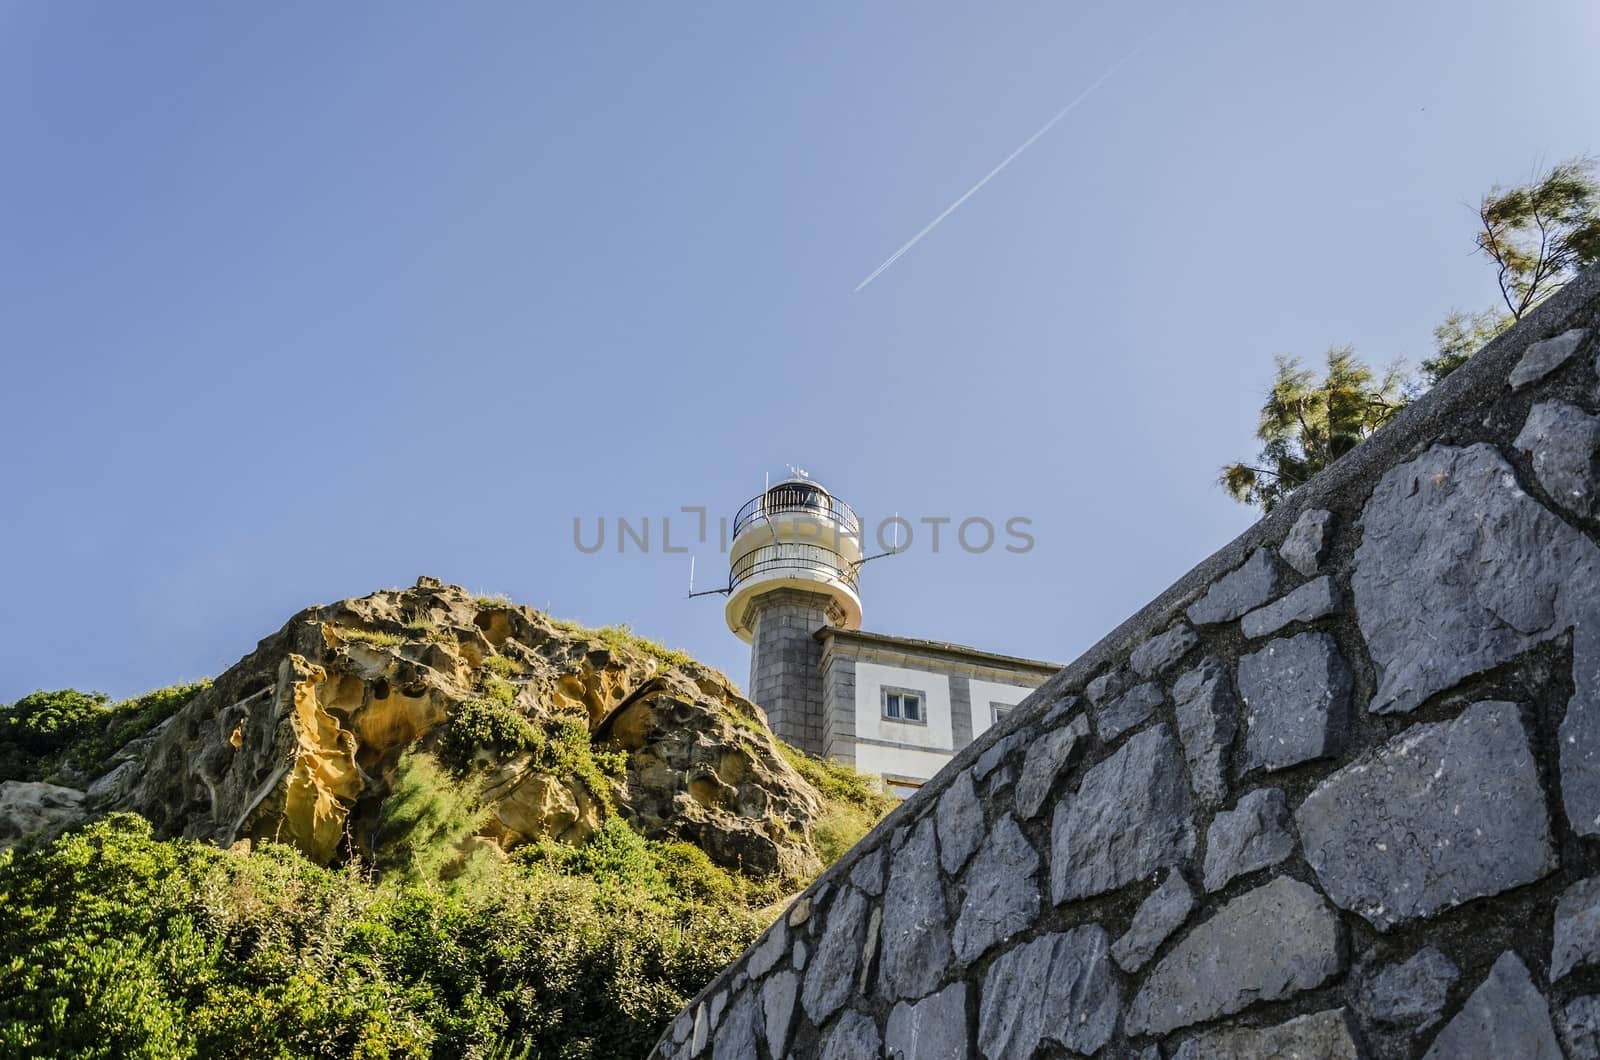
(895, 551)
(703, 592)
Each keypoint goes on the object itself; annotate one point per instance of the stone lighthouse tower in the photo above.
(795, 556)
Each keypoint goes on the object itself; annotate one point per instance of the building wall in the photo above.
(982, 696)
(958, 693)
(838, 725)
(889, 747)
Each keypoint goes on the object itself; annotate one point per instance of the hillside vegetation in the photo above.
(544, 856)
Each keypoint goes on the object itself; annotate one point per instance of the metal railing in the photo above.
(791, 556)
(797, 497)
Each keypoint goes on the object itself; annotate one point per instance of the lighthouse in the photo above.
(896, 708)
(794, 564)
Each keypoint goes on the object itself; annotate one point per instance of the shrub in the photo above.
(131, 719)
(117, 944)
(623, 638)
(42, 731)
(47, 723)
(488, 723)
(839, 783)
(425, 822)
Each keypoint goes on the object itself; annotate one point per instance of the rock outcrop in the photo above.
(299, 740)
(35, 810)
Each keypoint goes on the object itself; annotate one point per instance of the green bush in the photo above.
(485, 723)
(42, 731)
(115, 944)
(47, 723)
(130, 719)
(503, 666)
(425, 822)
(560, 747)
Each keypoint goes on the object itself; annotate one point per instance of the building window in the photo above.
(901, 788)
(998, 711)
(905, 704)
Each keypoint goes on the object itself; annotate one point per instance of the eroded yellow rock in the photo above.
(299, 740)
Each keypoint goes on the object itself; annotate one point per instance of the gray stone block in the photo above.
(1109, 686)
(1441, 814)
(736, 1036)
(778, 996)
(959, 814)
(1252, 836)
(1206, 712)
(1320, 1036)
(1542, 358)
(1582, 1020)
(1129, 817)
(1577, 929)
(1158, 916)
(991, 759)
(1255, 582)
(934, 1028)
(832, 972)
(1412, 993)
(1505, 1017)
(1564, 441)
(1164, 651)
(1306, 545)
(1059, 711)
(1269, 943)
(1056, 989)
(854, 1037)
(701, 1036)
(1313, 600)
(867, 876)
(1459, 571)
(1296, 692)
(1129, 710)
(1046, 758)
(916, 930)
(765, 953)
(1000, 894)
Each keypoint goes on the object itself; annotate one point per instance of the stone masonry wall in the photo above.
(1334, 794)
(786, 663)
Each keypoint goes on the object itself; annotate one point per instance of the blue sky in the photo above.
(299, 300)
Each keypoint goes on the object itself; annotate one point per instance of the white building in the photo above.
(896, 707)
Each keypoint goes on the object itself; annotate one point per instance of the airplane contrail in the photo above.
(1012, 157)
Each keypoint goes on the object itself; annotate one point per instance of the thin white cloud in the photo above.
(1012, 157)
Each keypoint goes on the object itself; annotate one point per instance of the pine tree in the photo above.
(1306, 423)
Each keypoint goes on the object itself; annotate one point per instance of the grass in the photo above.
(503, 666)
(856, 804)
(376, 638)
(838, 782)
(623, 638)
